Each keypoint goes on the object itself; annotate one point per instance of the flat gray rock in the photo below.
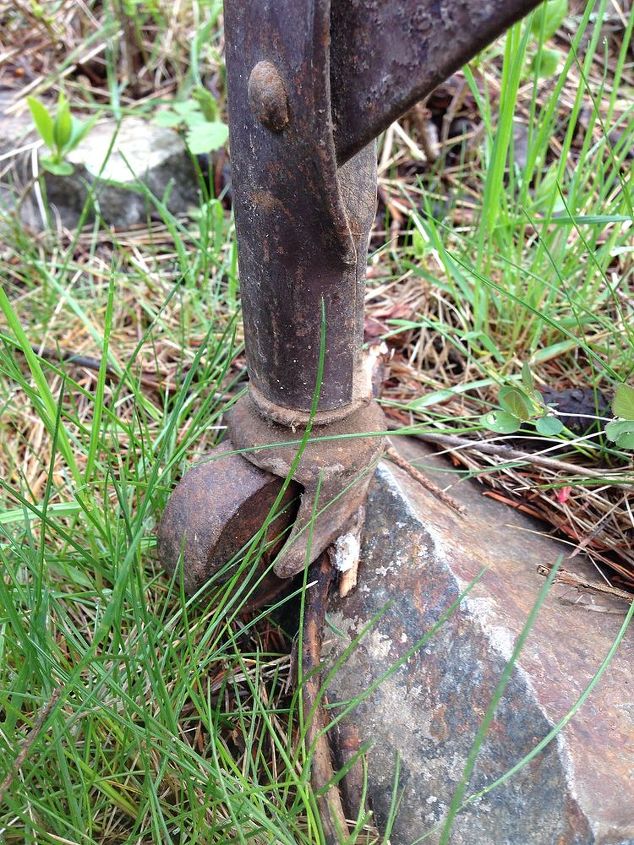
(419, 555)
(114, 163)
(110, 164)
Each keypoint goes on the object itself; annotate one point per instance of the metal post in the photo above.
(311, 83)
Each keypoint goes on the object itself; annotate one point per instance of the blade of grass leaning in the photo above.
(554, 732)
(456, 801)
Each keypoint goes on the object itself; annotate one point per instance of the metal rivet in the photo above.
(267, 96)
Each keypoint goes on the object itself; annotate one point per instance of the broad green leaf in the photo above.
(63, 125)
(79, 130)
(186, 107)
(437, 396)
(546, 62)
(43, 121)
(57, 168)
(547, 353)
(501, 422)
(514, 402)
(548, 18)
(620, 432)
(168, 118)
(549, 425)
(194, 118)
(623, 402)
(626, 440)
(205, 137)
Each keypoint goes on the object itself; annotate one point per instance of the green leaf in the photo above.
(527, 378)
(22, 515)
(501, 422)
(514, 402)
(623, 402)
(548, 18)
(205, 137)
(186, 107)
(207, 103)
(58, 168)
(546, 62)
(545, 190)
(63, 125)
(168, 118)
(194, 118)
(79, 130)
(621, 432)
(43, 121)
(549, 425)
(626, 440)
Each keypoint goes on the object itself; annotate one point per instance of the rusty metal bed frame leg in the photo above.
(311, 83)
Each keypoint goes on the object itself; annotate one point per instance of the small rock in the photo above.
(578, 407)
(141, 152)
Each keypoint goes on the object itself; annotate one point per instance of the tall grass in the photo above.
(534, 270)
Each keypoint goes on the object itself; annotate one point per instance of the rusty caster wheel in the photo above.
(213, 513)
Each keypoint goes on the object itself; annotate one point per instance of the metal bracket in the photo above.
(334, 472)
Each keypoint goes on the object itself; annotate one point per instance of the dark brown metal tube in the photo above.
(302, 224)
(310, 84)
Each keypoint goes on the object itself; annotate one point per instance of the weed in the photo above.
(61, 133)
(204, 132)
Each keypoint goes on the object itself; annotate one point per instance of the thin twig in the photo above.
(436, 491)
(32, 735)
(463, 443)
(427, 133)
(572, 580)
(331, 811)
(89, 363)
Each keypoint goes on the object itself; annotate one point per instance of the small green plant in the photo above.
(521, 404)
(61, 133)
(621, 430)
(198, 117)
(544, 23)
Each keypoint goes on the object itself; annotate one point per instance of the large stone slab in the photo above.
(419, 555)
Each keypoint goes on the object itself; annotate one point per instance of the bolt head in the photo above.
(267, 96)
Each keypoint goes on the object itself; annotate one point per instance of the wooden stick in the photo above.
(464, 443)
(331, 813)
(434, 489)
(572, 580)
(32, 735)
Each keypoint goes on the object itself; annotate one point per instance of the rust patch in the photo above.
(213, 513)
(336, 466)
